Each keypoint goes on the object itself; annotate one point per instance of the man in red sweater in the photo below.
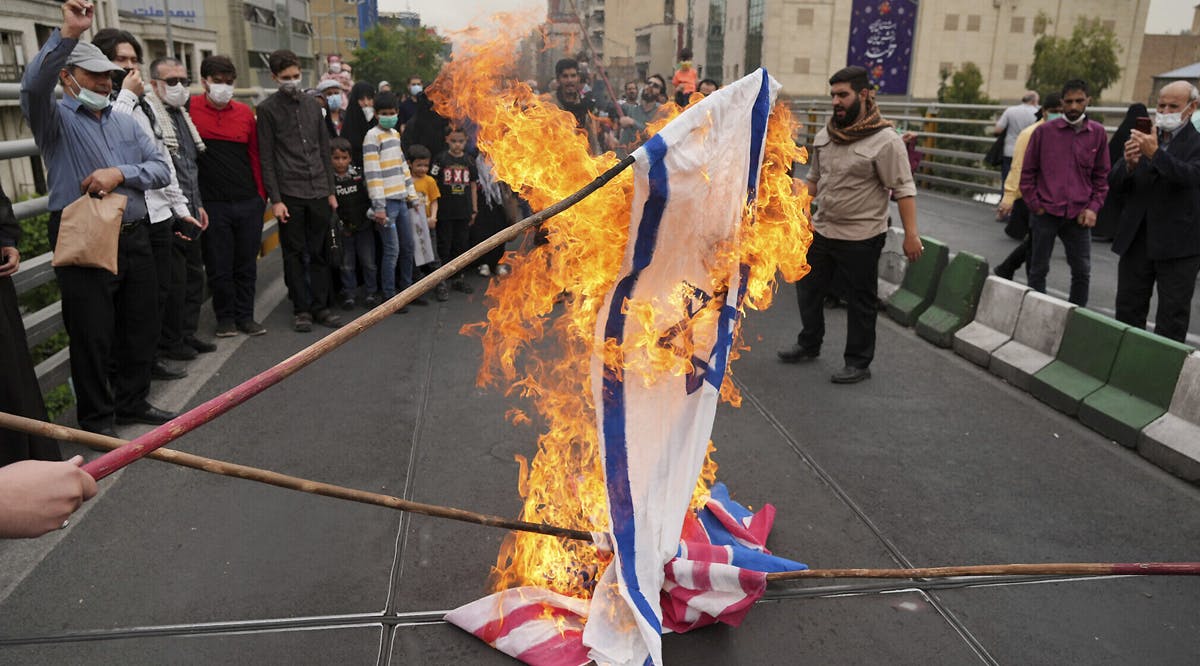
(232, 190)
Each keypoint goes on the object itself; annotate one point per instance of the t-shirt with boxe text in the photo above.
(455, 177)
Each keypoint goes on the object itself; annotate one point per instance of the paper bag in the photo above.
(89, 232)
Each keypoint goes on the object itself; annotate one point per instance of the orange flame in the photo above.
(538, 337)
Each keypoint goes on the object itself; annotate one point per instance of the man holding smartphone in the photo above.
(1159, 234)
(1064, 180)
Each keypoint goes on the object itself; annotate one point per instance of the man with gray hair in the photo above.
(1158, 238)
(1014, 119)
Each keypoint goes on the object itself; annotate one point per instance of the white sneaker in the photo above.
(485, 271)
(502, 270)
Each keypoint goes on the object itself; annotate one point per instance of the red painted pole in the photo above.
(185, 423)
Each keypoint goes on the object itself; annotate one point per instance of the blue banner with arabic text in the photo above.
(881, 39)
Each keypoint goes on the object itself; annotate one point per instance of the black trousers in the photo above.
(855, 266)
(304, 235)
(19, 390)
(186, 295)
(453, 238)
(1137, 276)
(230, 246)
(112, 321)
(161, 235)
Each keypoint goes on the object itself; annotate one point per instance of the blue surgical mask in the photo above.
(93, 101)
(415, 89)
(334, 102)
(388, 122)
(1053, 116)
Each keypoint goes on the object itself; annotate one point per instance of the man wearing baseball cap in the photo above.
(90, 150)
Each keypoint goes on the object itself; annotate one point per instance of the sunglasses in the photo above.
(176, 80)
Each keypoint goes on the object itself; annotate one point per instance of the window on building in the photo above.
(258, 15)
(1010, 72)
(973, 21)
(668, 11)
(805, 16)
(1018, 24)
(951, 22)
(302, 27)
(801, 66)
(12, 56)
(754, 34)
(714, 51)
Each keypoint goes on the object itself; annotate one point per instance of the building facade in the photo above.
(249, 31)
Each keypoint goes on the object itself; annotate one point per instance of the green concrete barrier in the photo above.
(920, 283)
(1084, 362)
(957, 298)
(1139, 388)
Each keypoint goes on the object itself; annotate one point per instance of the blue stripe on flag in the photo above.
(758, 132)
(616, 453)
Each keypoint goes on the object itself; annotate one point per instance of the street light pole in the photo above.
(167, 20)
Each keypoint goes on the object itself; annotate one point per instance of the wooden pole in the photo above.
(96, 441)
(1059, 569)
(194, 418)
(103, 442)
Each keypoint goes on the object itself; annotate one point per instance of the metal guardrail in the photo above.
(43, 324)
(926, 120)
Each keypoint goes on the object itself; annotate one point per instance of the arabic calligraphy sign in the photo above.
(881, 39)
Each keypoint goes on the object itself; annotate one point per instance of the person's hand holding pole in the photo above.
(38, 496)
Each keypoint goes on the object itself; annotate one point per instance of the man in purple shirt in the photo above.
(1064, 181)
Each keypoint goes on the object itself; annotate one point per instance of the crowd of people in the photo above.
(1140, 190)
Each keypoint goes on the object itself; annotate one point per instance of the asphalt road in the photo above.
(931, 462)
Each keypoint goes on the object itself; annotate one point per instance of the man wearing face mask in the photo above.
(1159, 235)
(166, 203)
(298, 176)
(232, 190)
(335, 102)
(168, 97)
(1064, 179)
(90, 149)
(408, 102)
(858, 162)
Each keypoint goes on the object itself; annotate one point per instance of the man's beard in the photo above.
(850, 116)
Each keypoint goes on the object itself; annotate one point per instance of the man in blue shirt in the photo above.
(90, 150)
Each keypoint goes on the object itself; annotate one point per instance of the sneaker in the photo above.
(441, 292)
(327, 318)
(1004, 272)
(302, 323)
(372, 300)
(347, 302)
(226, 330)
(502, 270)
(251, 327)
(485, 270)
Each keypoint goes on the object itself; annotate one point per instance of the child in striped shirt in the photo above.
(390, 186)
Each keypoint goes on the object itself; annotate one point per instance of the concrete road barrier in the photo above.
(1173, 440)
(1083, 363)
(920, 283)
(1035, 340)
(1139, 388)
(995, 320)
(892, 263)
(956, 299)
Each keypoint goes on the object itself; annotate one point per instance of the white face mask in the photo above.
(335, 67)
(415, 89)
(1077, 122)
(175, 96)
(220, 93)
(369, 112)
(1169, 122)
(289, 86)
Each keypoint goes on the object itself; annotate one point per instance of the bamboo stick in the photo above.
(1056, 569)
(194, 418)
(103, 442)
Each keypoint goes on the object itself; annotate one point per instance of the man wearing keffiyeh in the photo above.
(858, 163)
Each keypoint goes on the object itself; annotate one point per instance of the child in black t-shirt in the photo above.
(457, 178)
(354, 208)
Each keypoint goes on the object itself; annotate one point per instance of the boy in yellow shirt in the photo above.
(425, 217)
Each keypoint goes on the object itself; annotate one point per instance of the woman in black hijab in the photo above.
(1110, 214)
(357, 122)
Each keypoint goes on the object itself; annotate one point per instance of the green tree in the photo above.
(1089, 54)
(395, 55)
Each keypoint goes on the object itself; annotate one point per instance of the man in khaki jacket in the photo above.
(858, 162)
